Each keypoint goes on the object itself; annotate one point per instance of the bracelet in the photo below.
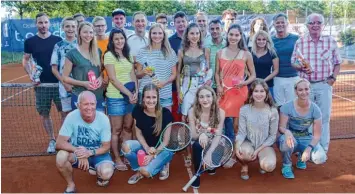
(312, 147)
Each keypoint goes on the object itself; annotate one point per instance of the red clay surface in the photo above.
(39, 174)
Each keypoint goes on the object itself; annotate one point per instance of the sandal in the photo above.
(120, 166)
(102, 183)
(230, 163)
(188, 161)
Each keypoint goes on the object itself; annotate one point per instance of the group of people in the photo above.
(143, 80)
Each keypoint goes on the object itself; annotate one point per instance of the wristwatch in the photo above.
(93, 152)
(312, 147)
(332, 77)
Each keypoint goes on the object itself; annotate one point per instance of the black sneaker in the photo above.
(211, 172)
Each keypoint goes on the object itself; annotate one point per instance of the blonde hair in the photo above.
(300, 81)
(98, 18)
(214, 111)
(158, 108)
(93, 49)
(165, 46)
(269, 43)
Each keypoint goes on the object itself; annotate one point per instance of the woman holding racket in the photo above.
(120, 71)
(257, 130)
(150, 119)
(231, 64)
(296, 118)
(193, 67)
(265, 58)
(205, 119)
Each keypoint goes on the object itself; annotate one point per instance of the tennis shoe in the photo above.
(300, 164)
(287, 172)
(135, 178)
(164, 174)
(51, 147)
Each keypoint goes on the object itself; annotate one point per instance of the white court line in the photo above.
(16, 94)
(189, 171)
(346, 83)
(343, 98)
(16, 79)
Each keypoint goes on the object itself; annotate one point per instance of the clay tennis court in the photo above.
(23, 133)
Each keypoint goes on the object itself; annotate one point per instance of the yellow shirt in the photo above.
(123, 69)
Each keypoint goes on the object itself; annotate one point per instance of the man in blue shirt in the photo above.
(84, 142)
(39, 47)
(180, 23)
(284, 43)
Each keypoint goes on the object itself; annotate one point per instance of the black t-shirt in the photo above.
(263, 66)
(41, 51)
(145, 124)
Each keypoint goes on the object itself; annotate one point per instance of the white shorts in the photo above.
(66, 104)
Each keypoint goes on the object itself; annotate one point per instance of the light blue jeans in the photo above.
(155, 166)
(318, 155)
(321, 94)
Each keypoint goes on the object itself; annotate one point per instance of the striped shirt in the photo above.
(214, 48)
(321, 56)
(162, 65)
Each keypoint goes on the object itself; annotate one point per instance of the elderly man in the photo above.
(84, 142)
(284, 43)
(321, 54)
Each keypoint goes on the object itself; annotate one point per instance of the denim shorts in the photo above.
(100, 105)
(95, 161)
(164, 102)
(118, 107)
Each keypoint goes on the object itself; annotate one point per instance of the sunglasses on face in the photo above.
(316, 22)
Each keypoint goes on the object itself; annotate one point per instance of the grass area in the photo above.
(11, 57)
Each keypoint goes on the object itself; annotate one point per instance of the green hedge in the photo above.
(11, 57)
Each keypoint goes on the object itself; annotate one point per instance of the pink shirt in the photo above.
(322, 56)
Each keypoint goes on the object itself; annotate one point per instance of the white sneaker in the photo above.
(164, 174)
(134, 179)
(51, 147)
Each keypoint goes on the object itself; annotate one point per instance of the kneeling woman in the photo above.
(204, 115)
(296, 117)
(258, 123)
(150, 120)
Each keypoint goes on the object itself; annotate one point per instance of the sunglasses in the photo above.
(313, 23)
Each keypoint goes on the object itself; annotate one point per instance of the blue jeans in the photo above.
(318, 155)
(155, 166)
(118, 107)
(229, 128)
(95, 161)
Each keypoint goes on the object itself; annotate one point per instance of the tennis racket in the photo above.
(216, 153)
(175, 137)
(230, 77)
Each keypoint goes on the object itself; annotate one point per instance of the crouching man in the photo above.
(84, 142)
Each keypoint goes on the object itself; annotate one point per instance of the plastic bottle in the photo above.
(141, 155)
(91, 76)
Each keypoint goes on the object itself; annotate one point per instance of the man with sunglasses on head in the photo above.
(320, 66)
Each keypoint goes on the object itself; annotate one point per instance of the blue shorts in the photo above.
(100, 105)
(164, 102)
(118, 107)
(95, 161)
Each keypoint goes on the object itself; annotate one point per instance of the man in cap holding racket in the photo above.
(317, 58)
(84, 142)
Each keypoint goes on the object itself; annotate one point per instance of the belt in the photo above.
(301, 133)
(318, 81)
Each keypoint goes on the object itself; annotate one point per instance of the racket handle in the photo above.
(189, 183)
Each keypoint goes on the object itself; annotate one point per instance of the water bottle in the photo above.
(37, 73)
(141, 155)
(91, 76)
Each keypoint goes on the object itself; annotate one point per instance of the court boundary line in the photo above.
(16, 79)
(189, 172)
(8, 98)
(343, 98)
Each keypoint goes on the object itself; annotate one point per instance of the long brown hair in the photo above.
(252, 31)
(185, 44)
(158, 109)
(214, 111)
(268, 99)
(93, 49)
